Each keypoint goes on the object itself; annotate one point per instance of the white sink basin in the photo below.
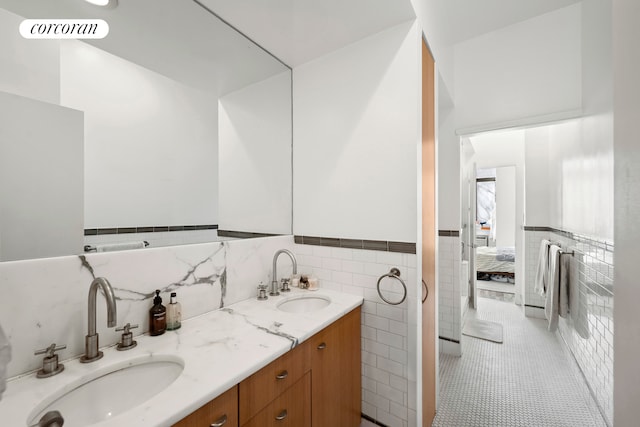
(304, 304)
(110, 391)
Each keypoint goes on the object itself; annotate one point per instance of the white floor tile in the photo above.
(530, 380)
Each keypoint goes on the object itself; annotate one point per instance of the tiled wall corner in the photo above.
(449, 295)
(588, 332)
(388, 346)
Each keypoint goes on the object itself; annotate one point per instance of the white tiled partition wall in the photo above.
(449, 295)
(588, 330)
(388, 346)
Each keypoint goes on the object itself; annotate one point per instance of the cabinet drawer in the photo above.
(291, 409)
(223, 410)
(257, 391)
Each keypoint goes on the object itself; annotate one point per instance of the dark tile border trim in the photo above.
(532, 228)
(449, 339)
(372, 245)
(243, 234)
(147, 229)
(534, 306)
(449, 233)
(372, 420)
(602, 244)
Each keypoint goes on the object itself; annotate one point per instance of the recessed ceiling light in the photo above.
(104, 3)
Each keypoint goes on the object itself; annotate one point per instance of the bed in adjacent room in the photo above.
(496, 263)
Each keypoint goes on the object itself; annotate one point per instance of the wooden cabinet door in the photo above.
(291, 409)
(335, 373)
(221, 411)
(257, 391)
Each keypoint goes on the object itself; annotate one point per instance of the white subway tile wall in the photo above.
(589, 332)
(388, 347)
(449, 301)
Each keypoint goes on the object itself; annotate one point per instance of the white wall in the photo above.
(626, 60)
(468, 180)
(30, 68)
(506, 206)
(255, 157)
(570, 176)
(448, 153)
(41, 186)
(525, 70)
(150, 142)
(357, 136)
(537, 181)
(356, 133)
(498, 149)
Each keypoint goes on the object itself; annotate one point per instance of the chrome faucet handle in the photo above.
(126, 328)
(285, 284)
(262, 292)
(50, 351)
(50, 365)
(126, 342)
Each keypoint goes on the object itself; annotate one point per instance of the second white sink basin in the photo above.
(109, 392)
(304, 303)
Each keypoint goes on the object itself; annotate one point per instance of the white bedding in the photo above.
(487, 262)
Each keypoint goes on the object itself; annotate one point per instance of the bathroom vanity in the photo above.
(249, 364)
(317, 383)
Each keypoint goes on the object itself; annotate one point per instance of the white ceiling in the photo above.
(179, 39)
(297, 31)
(459, 20)
(176, 38)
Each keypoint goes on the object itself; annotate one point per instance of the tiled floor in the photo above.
(530, 380)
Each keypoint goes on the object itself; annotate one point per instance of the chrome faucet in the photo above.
(274, 283)
(91, 352)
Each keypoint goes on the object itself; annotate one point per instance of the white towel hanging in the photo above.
(542, 270)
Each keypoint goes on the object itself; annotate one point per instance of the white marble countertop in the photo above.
(219, 349)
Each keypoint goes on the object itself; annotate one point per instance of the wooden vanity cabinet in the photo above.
(316, 384)
(261, 388)
(292, 408)
(214, 413)
(335, 373)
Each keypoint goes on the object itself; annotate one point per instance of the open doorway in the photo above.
(492, 180)
(495, 233)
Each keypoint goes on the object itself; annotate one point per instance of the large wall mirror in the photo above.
(173, 129)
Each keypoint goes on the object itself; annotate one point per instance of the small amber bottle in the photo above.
(157, 316)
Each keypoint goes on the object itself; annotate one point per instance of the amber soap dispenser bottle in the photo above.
(157, 316)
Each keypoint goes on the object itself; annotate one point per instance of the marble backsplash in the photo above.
(45, 300)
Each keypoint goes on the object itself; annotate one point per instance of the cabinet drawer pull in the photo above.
(221, 421)
(282, 415)
(322, 346)
(282, 375)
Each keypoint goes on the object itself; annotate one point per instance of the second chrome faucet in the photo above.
(91, 345)
(274, 282)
